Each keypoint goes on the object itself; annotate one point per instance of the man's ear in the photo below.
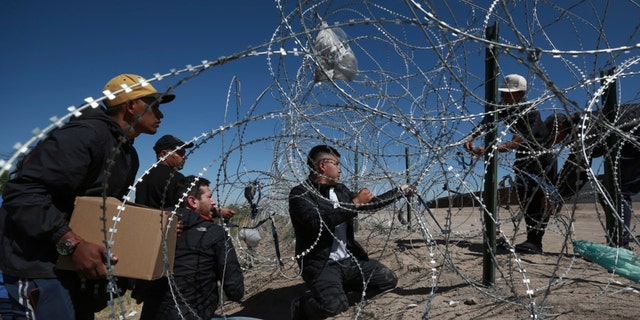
(320, 167)
(192, 201)
(130, 107)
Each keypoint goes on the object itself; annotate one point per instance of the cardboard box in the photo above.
(137, 240)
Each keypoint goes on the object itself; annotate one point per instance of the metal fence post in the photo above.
(489, 195)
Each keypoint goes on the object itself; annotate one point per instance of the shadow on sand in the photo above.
(271, 304)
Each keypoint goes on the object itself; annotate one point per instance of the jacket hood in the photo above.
(98, 114)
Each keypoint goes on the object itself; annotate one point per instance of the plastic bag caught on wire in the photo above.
(251, 237)
(335, 58)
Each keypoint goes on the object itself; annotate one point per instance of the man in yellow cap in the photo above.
(139, 99)
(91, 155)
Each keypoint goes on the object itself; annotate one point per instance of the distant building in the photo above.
(507, 197)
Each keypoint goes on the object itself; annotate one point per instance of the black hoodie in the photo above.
(38, 201)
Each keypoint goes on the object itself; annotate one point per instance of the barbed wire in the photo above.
(417, 95)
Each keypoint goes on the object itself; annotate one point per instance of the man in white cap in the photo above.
(534, 169)
(91, 155)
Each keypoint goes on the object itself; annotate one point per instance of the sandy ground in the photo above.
(441, 276)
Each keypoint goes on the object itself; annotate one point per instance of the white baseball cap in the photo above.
(512, 83)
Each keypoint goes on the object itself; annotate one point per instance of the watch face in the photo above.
(66, 247)
(63, 248)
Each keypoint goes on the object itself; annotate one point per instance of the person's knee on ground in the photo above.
(389, 280)
(324, 306)
(336, 307)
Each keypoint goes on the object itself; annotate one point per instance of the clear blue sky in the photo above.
(55, 54)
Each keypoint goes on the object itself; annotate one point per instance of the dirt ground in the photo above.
(441, 275)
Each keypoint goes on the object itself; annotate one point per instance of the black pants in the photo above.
(152, 294)
(88, 296)
(630, 186)
(532, 195)
(329, 290)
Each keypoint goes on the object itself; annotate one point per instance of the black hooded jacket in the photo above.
(595, 132)
(312, 212)
(39, 200)
(204, 256)
(159, 189)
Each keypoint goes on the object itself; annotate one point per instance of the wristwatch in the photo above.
(67, 246)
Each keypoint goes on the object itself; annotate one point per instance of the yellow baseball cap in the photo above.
(139, 91)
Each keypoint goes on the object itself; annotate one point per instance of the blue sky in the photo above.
(55, 54)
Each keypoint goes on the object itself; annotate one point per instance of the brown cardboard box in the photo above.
(137, 241)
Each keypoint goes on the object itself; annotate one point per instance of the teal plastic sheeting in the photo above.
(619, 260)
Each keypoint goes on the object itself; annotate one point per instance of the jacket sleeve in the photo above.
(573, 174)
(382, 200)
(308, 210)
(229, 269)
(53, 170)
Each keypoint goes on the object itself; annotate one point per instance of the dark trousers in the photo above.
(534, 204)
(152, 294)
(630, 186)
(64, 297)
(39, 299)
(8, 311)
(329, 289)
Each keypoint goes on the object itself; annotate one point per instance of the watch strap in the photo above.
(67, 246)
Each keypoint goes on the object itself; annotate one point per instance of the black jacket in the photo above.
(204, 255)
(595, 131)
(531, 156)
(38, 201)
(312, 213)
(159, 188)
